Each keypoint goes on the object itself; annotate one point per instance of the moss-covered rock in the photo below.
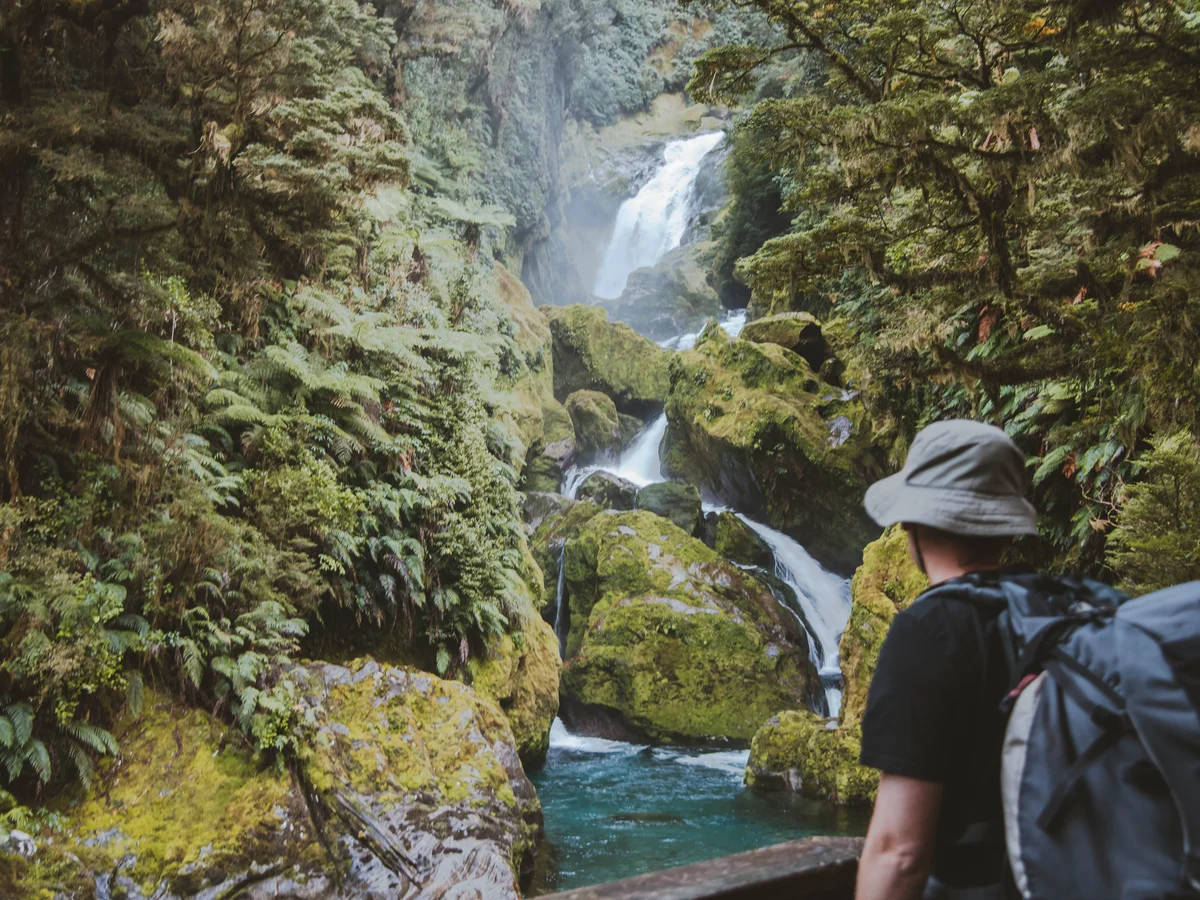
(886, 582)
(608, 491)
(591, 353)
(752, 424)
(550, 457)
(597, 424)
(737, 541)
(669, 642)
(549, 526)
(800, 751)
(670, 298)
(521, 674)
(799, 332)
(415, 781)
(673, 500)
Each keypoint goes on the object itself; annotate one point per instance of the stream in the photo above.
(612, 809)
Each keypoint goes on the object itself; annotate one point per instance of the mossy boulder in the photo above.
(608, 491)
(738, 542)
(551, 456)
(799, 332)
(597, 425)
(802, 752)
(673, 500)
(670, 298)
(521, 673)
(754, 425)
(669, 642)
(549, 525)
(591, 353)
(415, 781)
(886, 582)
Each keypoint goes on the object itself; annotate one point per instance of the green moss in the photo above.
(753, 424)
(799, 332)
(802, 752)
(547, 543)
(608, 491)
(679, 643)
(590, 353)
(524, 682)
(595, 420)
(736, 541)
(886, 582)
(557, 420)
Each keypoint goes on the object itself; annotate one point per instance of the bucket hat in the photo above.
(961, 476)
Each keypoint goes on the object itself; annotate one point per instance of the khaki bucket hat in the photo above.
(961, 476)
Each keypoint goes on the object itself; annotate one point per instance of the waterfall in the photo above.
(824, 601)
(652, 223)
(560, 605)
(639, 463)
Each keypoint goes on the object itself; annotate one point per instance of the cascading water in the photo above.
(651, 224)
(562, 624)
(615, 809)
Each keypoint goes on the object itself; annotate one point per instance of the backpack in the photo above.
(1100, 780)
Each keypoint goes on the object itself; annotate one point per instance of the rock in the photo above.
(548, 538)
(608, 491)
(673, 500)
(753, 425)
(542, 505)
(886, 582)
(590, 353)
(670, 643)
(521, 674)
(550, 457)
(799, 332)
(737, 541)
(416, 782)
(597, 424)
(528, 383)
(800, 751)
(670, 298)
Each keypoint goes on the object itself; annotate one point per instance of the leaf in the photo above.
(1041, 331)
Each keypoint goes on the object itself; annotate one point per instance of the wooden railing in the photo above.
(821, 868)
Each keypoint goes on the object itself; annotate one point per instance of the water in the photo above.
(614, 810)
(732, 326)
(560, 622)
(651, 224)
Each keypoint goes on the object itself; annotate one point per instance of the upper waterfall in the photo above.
(652, 223)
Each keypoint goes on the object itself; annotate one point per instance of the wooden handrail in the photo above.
(816, 869)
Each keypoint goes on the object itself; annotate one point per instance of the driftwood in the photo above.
(821, 868)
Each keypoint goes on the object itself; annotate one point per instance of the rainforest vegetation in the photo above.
(259, 371)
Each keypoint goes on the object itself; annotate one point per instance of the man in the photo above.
(933, 726)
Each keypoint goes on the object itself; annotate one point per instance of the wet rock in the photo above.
(670, 298)
(597, 425)
(547, 539)
(551, 456)
(608, 491)
(737, 541)
(416, 784)
(749, 423)
(591, 353)
(673, 500)
(670, 642)
(542, 505)
(799, 332)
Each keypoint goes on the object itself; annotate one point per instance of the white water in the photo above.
(639, 463)
(562, 739)
(651, 224)
(560, 630)
(728, 762)
(732, 326)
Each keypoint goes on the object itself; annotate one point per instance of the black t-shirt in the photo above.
(933, 714)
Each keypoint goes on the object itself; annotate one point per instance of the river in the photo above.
(614, 809)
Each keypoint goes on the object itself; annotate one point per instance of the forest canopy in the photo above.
(999, 205)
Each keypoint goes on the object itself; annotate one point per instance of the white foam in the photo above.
(561, 739)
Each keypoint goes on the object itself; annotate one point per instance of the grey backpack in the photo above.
(1101, 761)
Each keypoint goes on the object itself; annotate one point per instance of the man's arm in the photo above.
(898, 852)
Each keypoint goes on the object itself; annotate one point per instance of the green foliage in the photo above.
(998, 201)
(1157, 539)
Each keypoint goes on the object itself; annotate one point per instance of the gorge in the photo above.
(433, 434)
